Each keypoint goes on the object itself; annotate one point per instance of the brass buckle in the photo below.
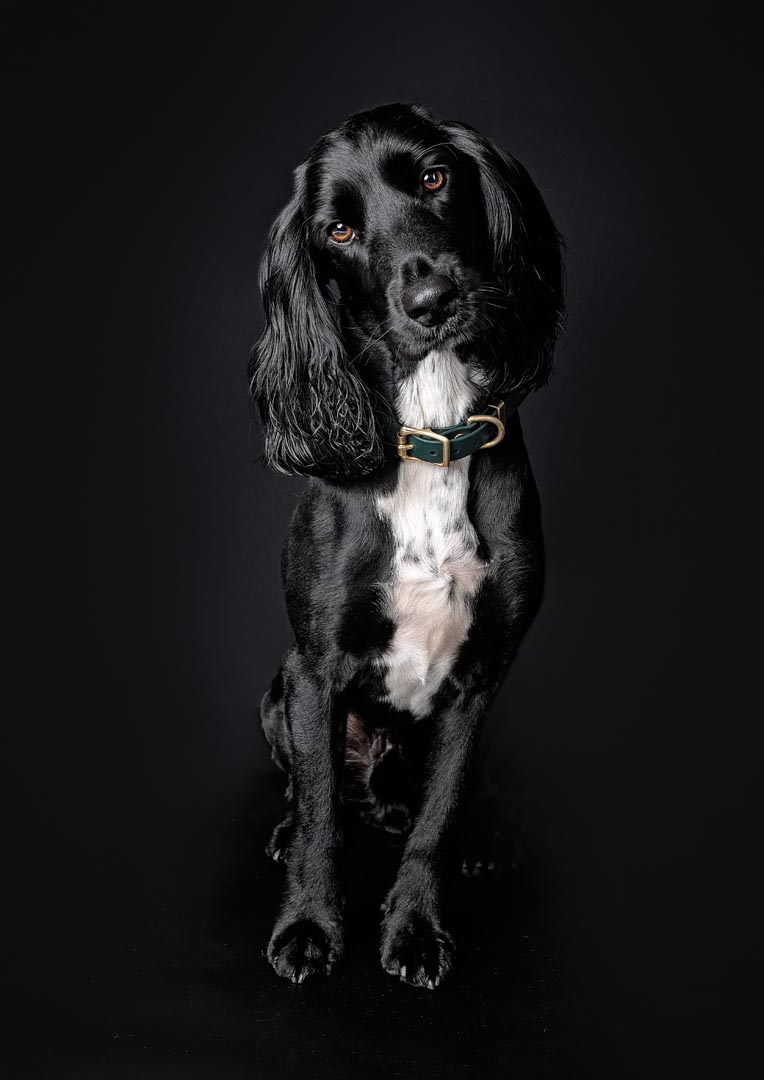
(498, 423)
(403, 446)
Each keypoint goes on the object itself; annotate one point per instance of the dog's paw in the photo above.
(278, 845)
(473, 866)
(416, 949)
(484, 852)
(301, 949)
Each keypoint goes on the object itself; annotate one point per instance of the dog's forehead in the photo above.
(389, 130)
(371, 151)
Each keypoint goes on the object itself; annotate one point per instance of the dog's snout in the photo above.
(429, 300)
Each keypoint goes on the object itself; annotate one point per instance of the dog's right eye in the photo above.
(340, 233)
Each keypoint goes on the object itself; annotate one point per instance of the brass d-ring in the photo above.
(489, 420)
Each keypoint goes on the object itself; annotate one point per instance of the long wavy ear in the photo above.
(315, 410)
(527, 255)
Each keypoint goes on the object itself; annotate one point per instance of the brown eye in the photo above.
(341, 234)
(433, 180)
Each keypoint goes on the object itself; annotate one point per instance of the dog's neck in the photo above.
(439, 391)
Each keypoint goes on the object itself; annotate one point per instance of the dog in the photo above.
(413, 291)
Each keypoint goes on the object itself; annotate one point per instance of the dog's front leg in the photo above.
(415, 944)
(307, 937)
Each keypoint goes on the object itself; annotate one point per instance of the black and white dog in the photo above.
(413, 292)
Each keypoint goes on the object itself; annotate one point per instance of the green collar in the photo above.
(441, 446)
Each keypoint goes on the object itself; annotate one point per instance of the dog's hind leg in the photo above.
(275, 729)
(274, 723)
(277, 847)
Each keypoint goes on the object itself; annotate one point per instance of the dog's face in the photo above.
(395, 216)
(404, 234)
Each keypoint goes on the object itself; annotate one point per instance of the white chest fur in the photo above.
(436, 570)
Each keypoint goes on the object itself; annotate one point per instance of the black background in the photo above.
(149, 150)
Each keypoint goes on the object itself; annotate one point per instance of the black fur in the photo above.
(336, 342)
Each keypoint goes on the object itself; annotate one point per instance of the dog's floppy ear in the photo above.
(527, 254)
(315, 410)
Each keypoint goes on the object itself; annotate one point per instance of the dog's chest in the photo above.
(435, 571)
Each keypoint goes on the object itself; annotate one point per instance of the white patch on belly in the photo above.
(435, 571)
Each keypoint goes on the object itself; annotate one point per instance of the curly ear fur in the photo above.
(527, 254)
(315, 410)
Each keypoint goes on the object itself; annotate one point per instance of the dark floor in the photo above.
(191, 994)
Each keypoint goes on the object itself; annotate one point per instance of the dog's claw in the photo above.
(277, 847)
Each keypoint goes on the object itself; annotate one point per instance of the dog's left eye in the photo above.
(341, 233)
(433, 179)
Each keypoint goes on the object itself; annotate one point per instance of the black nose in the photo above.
(429, 300)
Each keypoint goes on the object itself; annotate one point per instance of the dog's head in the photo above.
(404, 234)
